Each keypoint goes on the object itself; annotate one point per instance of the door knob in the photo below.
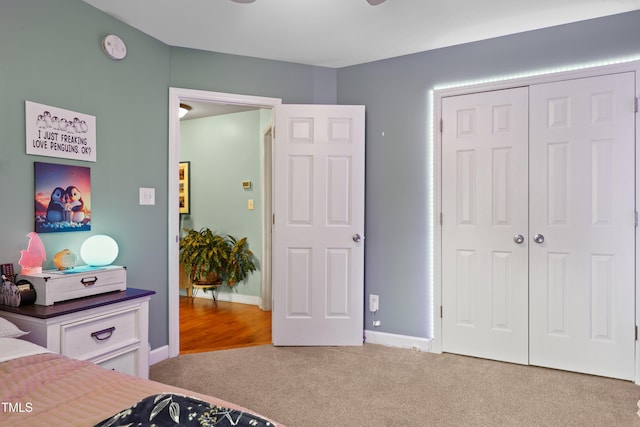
(356, 238)
(538, 238)
(518, 238)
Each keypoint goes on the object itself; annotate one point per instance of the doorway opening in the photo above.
(177, 96)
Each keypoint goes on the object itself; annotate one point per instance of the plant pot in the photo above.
(211, 279)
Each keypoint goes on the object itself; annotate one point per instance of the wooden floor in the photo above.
(205, 327)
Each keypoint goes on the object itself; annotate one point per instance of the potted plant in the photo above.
(213, 258)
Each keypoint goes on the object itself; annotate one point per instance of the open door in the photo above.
(318, 225)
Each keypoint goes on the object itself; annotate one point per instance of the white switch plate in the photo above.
(147, 196)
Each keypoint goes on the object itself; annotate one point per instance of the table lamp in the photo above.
(99, 250)
(31, 258)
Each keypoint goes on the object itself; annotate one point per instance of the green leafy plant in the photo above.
(215, 258)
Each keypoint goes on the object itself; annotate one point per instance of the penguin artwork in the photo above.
(40, 122)
(55, 211)
(76, 203)
(47, 118)
(76, 125)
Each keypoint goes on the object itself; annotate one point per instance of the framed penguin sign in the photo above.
(56, 132)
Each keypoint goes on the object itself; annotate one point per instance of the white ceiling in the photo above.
(339, 33)
(200, 109)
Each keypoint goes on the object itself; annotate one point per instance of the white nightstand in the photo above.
(111, 330)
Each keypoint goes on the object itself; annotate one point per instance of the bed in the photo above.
(41, 388)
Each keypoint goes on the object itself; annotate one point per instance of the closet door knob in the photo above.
(538, 238)
(518, 238)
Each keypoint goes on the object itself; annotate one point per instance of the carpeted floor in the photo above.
(375, 385)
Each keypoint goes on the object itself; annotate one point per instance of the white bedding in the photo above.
(12, 348)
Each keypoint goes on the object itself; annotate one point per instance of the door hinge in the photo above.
(441, 312)
(636, 333)
(441, 125)
(441, 219)
(636, 219)
(273, 219)
(635, 104)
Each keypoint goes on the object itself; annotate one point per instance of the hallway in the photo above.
(205, 327)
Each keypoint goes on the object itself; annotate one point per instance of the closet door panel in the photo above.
(582, 175)
(484, 203)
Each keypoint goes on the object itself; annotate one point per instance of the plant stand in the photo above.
(204, 286)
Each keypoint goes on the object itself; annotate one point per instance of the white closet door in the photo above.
(484, 204)
(582, 202)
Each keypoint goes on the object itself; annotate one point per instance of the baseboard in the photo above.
(372, 337)
(393, 340)
(232, 297)
(239, 298)
(158, 355)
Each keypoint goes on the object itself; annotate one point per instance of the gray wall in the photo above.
(50, 53)
(395, 93)
(293, 83)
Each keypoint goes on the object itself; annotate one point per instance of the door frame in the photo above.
(267, 215)
(507, 82)
(176, 96)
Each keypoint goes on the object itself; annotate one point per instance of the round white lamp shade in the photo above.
(99, 250)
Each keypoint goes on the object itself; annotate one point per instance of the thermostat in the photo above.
(246, 185)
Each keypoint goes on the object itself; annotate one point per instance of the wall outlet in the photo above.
(374, 301)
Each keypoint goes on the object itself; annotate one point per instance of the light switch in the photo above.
(250, 204)
(147, 196)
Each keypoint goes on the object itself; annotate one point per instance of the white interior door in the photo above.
(582, 285)
(484, 205)
(318, 246)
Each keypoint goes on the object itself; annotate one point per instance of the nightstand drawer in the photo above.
(125, 362)
(93, 336)
(110, 329)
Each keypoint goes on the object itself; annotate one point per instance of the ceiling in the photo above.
(201, 109)
(340, 33)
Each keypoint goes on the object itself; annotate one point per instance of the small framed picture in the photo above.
(184, 187)
(62, 198)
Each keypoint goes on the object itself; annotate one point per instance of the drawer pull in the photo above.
(89, 281)
(98, 334)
